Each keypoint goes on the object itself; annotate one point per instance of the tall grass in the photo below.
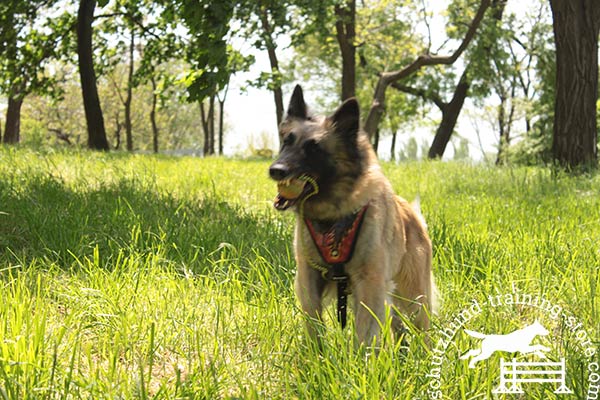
(128, 276)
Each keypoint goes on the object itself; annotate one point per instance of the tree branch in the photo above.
(422, 93)
(131, 19)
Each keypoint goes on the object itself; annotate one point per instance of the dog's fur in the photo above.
(391, 264)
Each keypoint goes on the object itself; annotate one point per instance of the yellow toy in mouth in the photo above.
(292, 189)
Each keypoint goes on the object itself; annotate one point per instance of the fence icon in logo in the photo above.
(514, 373)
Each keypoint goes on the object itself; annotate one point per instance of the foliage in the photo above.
(29, 39)
(129, 276)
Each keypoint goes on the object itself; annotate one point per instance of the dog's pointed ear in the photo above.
(346, 118)
(297, 107)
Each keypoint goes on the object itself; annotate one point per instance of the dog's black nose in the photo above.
(278, 171)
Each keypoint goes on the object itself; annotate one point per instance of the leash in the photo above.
(335, 242)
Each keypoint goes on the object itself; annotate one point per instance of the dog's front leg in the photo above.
(370, 308)
(309, 288)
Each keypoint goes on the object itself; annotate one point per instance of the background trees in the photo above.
(28, 40)
(147, 58)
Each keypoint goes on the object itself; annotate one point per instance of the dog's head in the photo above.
(318, 154)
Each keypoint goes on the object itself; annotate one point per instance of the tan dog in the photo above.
(328, 173)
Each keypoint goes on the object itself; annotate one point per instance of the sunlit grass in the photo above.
(153, 277)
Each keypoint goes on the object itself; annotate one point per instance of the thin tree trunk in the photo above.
(12, 129)
(274, 62)
(153, 115)
(91, 102)
(205, 129)
(576, 26)
(118, 131)
(211, 121)
(127, 103)
(504, 124)
(450, 113)
(345, 34)
(503, 141)
(393, 148)
(376, 141)
(221, 117)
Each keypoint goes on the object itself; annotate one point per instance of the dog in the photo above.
(346, 210)
(519, 340)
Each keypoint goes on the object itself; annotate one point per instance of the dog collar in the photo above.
(336, 240)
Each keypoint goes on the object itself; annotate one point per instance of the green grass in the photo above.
(153, 277)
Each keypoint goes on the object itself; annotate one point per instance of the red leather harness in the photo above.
(335, 242)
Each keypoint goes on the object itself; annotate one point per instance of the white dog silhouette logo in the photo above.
(517, 341)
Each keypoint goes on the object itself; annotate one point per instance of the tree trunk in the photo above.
(91, 102)
(576, 26)
(376, 141)
(505, 124)
(450, 113)
(393, 148)
(205, 129)
(345, 34)
(211, 122)
(271, 47)
(117, 132)
(12, 129)
(503, 130)
(221, 117)
(153, 115)
(127, 103)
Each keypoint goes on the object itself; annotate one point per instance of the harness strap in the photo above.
(342, 296)
(335, 243)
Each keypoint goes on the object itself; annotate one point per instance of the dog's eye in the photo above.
(289, 139)
(311, 147)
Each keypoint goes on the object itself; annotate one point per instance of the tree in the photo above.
(576, 27)
(151, 41)
(481, 57)
(262, 23)
(89, 90)
(387, 78)
(345, 32)
(27, 43)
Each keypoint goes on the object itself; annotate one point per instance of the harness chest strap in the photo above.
(335, 242)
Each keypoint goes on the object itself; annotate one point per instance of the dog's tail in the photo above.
(416, 205)
(474, 334)
(433, 295)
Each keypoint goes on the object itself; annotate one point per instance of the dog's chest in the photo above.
(336, 240)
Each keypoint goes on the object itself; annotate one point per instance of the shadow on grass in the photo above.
(45, 218)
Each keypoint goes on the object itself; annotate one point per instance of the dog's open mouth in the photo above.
(292, 190)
